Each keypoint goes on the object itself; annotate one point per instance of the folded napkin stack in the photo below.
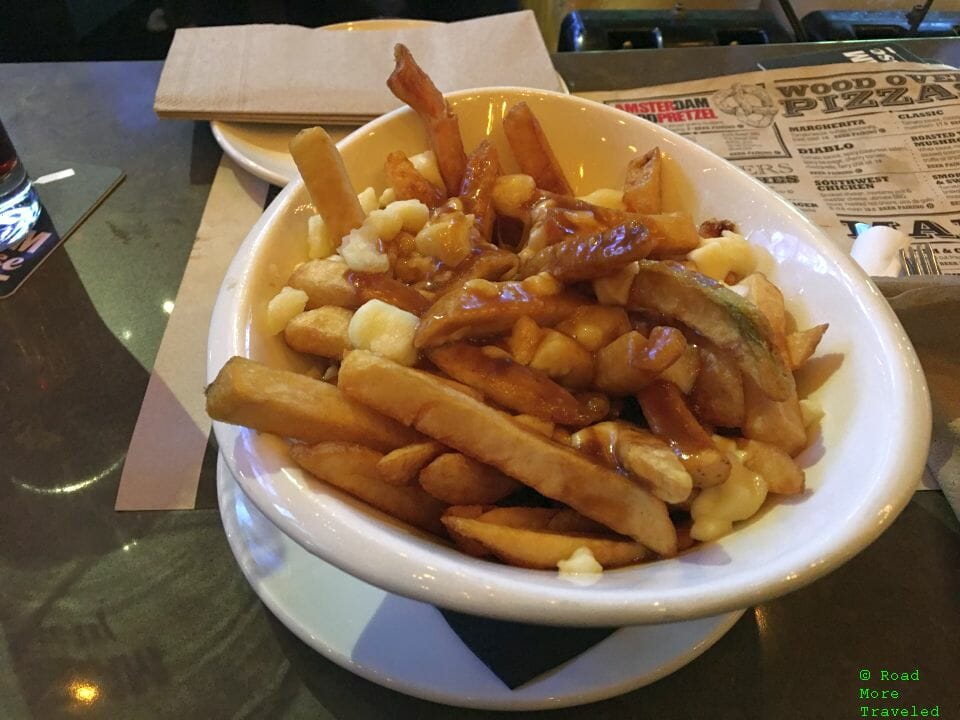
(289, 74)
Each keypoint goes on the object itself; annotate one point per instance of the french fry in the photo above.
(411, 85)
(563, 359)
(595, 256)
(491, 436)
(325, 283)
(524, 339)
(458, 480)
(353, 469)
(480, 308)
(380, 286)
(595, 326)
(671, 420)
(541, 549)
(632, 361)
(568, 520)
(801, 345)
(641, 188)
(538, 425)
(782, 474)
(463, 543)
(476, 192)
(527, 518)
(644, 456)
(322, 331)
(325, 176)
(673, 234)
(683, 372)
(296, 406)
(510, 384)
(717, 394)
(408, 183)
(532, 150)
(403, 465)
(714, 228)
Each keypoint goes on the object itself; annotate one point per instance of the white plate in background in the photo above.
(262, 149)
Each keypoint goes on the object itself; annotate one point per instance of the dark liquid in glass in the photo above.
(8, 156)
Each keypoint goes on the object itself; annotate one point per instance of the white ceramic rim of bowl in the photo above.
(514, 594)
(632, 657)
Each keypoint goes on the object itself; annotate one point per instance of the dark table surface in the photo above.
(146, 615)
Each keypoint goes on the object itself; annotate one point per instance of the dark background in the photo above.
(48, 30)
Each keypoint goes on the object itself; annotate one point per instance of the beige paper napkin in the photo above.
(284, 73)
(162, 467)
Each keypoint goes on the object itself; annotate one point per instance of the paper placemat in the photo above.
(162, 468)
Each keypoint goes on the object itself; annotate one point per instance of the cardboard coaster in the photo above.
(68, 193)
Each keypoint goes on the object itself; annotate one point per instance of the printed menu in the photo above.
(852, 144)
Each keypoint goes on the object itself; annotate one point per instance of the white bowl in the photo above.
(860, 473)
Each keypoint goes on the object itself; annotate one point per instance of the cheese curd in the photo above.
(426, 165)
(385, 330)
(581, 562)
(283, 307)
(615, 289)
(320, 241)
(360, 249)
(716, 508)
(717, 257)
(605, 198)
(368, 200)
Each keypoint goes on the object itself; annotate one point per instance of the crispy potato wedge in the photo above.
(511, 384)
(325, 283)
(322, 331)
(532, 150)
(538, 425)
(717, 394)
(353, 469)
(493, 437)
(671, 420)
(325, 176)
(476, 192)
(296, 406)
(778, 422)
(410, 84)
(408, 183)
(717, 313)
(458, 480)
(801, 345)
(568, 520)
(542, 550)
(480, 308)
(641, 188)
(632, 361)
(403, 465)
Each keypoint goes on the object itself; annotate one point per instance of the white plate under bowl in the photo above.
(861, 470)
(262, 149)
(407, 646)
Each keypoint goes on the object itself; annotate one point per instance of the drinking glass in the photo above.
(19, 204)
